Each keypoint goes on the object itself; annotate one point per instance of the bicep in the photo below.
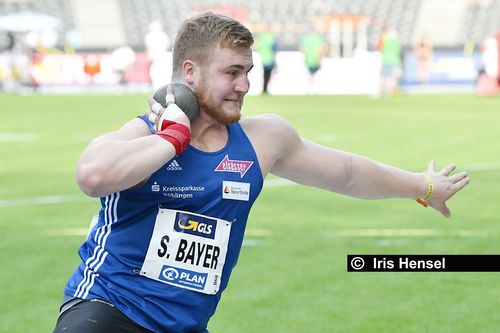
(308, 163)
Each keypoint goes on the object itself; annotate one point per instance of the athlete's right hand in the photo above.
(161, 116)
(171, 123)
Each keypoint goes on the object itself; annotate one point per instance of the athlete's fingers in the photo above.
(151, 101)
(150, 115)
(444, 210)
(461, 184)
(432, 166)
(458, 177)
(156, 107)
(169, 97)
(447, 170)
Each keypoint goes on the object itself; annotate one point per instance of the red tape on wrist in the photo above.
(165, 123)
(178, 135)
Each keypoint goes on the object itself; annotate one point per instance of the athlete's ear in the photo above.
(190, 71)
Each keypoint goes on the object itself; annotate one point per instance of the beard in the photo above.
(208, 104)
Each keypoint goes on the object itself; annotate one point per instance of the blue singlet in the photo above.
(163, 253)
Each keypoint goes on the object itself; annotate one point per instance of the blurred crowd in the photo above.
(31, 58)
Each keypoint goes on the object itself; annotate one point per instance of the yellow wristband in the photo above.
(423, 201)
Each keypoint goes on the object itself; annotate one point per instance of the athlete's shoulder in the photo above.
(266, 123)
(271, 135)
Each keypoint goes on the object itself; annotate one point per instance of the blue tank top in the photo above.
(163, 253)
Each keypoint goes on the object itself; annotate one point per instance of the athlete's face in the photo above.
(224, 83)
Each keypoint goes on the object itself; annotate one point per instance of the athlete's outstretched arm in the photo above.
(308, 163)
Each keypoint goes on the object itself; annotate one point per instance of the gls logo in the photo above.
(195, 225)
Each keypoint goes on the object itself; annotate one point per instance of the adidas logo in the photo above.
(174, 166)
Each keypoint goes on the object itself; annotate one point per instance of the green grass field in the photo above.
(292, 275)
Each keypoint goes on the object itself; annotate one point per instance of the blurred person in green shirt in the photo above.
(389, 46)
(313, 47)
(266, 45)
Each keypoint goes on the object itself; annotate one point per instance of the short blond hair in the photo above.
(202, 33)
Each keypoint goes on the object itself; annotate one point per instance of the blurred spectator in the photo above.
(497, 37)
(11, 41)
(389, 46)
(488, 80)
(266, 45)
(92, 66)
(423, 53)
(314, 48)
(122, 58)
(7, 66)
(72, 41)
(156, 41)
(489, 57)
(22, 61)
(157, 44)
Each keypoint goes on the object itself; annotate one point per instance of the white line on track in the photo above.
(337, 233)
(48, 200)
(411, 233)
(278, 182)
(249, 242)
(66, 232)
(486, 166)
(250, 234)
(18, 137)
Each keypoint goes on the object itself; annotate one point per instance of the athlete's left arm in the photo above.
(307, 163)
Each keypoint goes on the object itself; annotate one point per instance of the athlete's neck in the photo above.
(207, 134)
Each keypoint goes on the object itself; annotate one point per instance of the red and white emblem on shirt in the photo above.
(227, 165)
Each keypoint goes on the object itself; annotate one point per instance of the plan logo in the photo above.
(183, 277)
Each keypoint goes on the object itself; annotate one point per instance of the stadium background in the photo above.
(94, 28)
(291, 276)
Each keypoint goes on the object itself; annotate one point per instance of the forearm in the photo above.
(369, 179)
(109, 166)
(133, 129)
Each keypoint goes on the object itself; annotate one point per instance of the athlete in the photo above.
(176, 194)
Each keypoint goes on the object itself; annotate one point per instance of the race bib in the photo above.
(187, 251)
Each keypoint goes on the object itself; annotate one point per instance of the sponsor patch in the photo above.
(235, 191)
(183, 277)
(227, 165)
(195, 225)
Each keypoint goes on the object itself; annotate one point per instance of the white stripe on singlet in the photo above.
(93, 263)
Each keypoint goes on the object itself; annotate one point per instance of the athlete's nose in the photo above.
(242, 85)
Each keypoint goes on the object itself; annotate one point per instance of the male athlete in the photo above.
(176, 194)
